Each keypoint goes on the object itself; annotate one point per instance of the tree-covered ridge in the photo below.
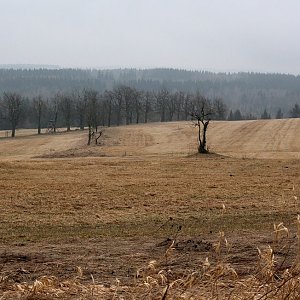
(251, 93)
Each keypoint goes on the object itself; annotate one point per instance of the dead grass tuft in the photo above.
(214, 278)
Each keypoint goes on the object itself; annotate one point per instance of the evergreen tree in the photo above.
(237, 115)
(265, 115)
(295, 112)
(230, 117)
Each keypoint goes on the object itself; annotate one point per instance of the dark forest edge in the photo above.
(122, 105)
(51, 98)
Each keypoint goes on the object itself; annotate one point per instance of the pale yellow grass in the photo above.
(276, 139)
(27, 145)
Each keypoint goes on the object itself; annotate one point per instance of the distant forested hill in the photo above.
(248, 92)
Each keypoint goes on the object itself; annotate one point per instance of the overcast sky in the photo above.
(214, 35)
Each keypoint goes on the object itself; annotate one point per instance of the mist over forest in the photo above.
(249, 92)
(245, 95)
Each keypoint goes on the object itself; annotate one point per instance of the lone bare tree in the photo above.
(202, 116)
(12, 109)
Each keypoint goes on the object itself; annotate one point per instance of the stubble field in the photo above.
(91, 215)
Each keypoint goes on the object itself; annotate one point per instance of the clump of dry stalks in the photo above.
(49, 287)
(160, 280)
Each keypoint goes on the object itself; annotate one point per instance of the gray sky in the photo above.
(215, 35)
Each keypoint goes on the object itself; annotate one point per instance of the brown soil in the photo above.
(112, 208)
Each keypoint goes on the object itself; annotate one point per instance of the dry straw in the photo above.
(213, 279)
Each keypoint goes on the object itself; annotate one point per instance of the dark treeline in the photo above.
(251, 93)
(120, 105)
(44, 98)
(90, 108)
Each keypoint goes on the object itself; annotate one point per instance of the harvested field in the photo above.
(89, 215)
(271, 139)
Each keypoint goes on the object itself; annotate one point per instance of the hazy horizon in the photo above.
(57, 67)
(236, 36)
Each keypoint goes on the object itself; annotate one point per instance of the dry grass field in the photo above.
(81, 222)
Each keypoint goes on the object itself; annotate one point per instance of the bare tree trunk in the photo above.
(81, 122)
(80, 107)
(90, 134)
(39, 124)
(12, 106)
(109, 100)
(163, 117)
(118, 116)
(38, 106)
(66, 107)
(55, 121)
(13, 130)
(202, 142)
(147, 106)
(97, 138)
(109, 114)
(146, 116)
(130, 118)
(162, 97)
(202, 118)
(55, 110)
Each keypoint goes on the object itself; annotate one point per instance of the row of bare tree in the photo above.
(88, 108)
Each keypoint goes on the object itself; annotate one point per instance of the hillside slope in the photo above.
(278, 139)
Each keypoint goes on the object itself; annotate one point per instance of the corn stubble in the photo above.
(214, 279)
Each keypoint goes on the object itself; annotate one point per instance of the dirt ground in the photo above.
(108, 210)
